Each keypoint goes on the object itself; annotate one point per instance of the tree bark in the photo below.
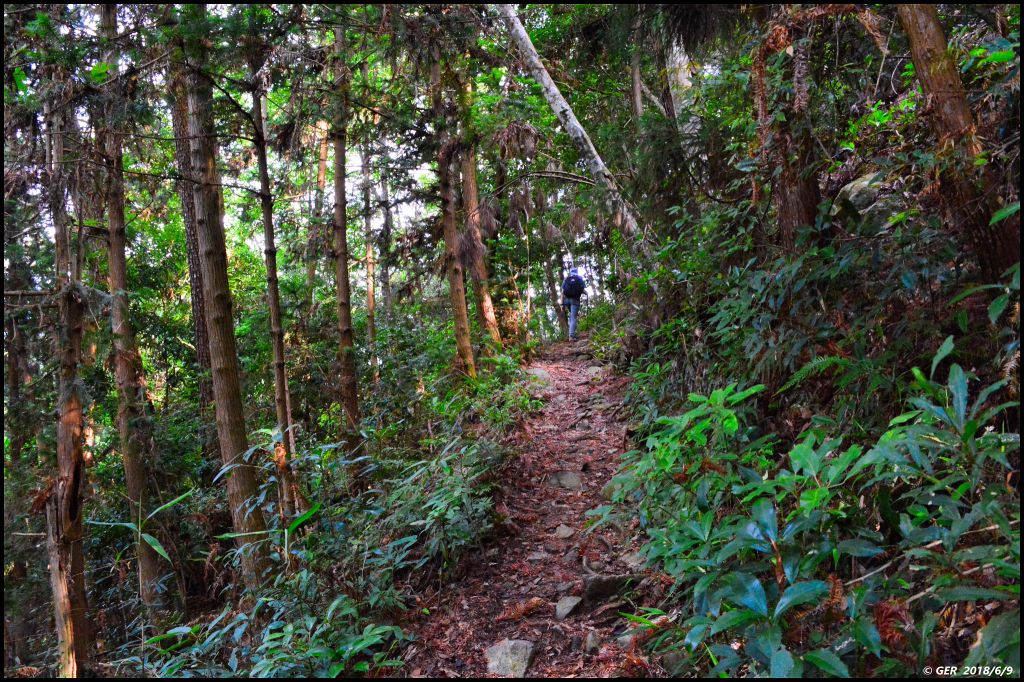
(385, 247)
(796, 193)
(346, 344)
(227, 389)
(456, 276)
(133, 424)
(969, 190)
(64, 527)
(477, 250)
(318, 216)
(371, 302)
(636, 82)
(178, 103)
(572, 126)
(286, 446)
(554, 293)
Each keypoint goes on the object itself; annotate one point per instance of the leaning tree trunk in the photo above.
(456, 276)
(346, 343)
(572, 126)
(969, 189)
(133, 423)
(64, 528)
(227, 389)
(284, 448)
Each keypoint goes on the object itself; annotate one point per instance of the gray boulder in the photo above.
(860, 193)
(509, 657)
(567, 479)
(598, 587)
(565, 607)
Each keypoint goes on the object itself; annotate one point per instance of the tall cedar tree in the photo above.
(227, 387)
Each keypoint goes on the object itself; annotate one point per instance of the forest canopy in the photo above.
(286, 375)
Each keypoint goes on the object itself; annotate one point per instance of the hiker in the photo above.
(572, 290)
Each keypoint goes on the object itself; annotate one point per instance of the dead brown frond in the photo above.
(517, 140)
(522, 609)
(1010, 372)
(835, 604)
(892, 618)
(871, 23)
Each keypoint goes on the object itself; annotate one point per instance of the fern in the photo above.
(815, 367)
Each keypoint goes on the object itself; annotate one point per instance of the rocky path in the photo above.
(544, 597)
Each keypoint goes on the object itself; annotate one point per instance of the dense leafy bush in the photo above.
(832, 556)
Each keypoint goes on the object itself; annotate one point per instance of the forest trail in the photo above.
(566, 454)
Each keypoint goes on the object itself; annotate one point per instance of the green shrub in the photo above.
(836, 558)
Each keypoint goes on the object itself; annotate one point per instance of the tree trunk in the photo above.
(371, 303)
(178, 103)
(572, 126)
(636, 82)
(227, 389)
(456, 277)
(968, 189)
(286, 446)
(346, 344)
(478, 252)
(318, 217)
(133, 422)
(64, 528)
(555, 295)
(385, 247)
(796, 192)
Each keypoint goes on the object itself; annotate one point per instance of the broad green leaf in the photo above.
(800, 593)
(813, 498)
(305, 517)
(867, 635)
(732, 619)
(859, 548)
(155, 544)
(826, 661)
(122, 524)
(945, 349)
(20, 79)
(1006, 211)
(996, 308)
(747, 591)
(168, 505)
(783, 664)
(743, 395)
(958, 389)
(967, 593)
(99, 73)
(764, 515)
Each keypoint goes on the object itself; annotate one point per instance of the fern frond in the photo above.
(817, 366)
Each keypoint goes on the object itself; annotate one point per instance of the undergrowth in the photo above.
(346, 571)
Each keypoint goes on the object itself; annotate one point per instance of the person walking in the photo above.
(572, 289)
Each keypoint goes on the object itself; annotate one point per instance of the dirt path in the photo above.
(568, 452)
